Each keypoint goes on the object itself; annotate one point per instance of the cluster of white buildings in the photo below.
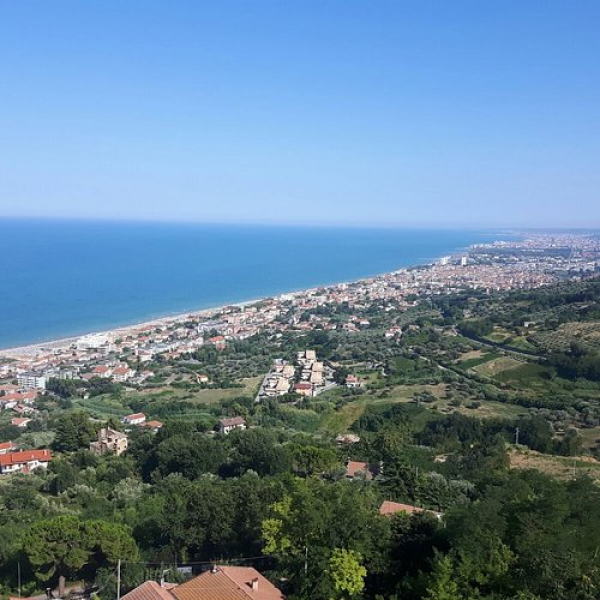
(278, 381)
(314, 374)
(308, 377)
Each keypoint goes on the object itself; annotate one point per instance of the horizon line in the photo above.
(296, 224)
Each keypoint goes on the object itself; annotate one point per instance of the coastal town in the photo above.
(309, 383)
(121, 355)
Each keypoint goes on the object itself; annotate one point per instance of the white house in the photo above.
(24, 461)
(135, 419)
(228, 425)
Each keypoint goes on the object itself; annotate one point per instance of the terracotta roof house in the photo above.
(102, 371)
(352, 381)
(153, 425)
(135, 419)
(122, 373)
(354, 468)
(150, 590)
(218, 341)
(388, 508)
(228, 583)
(220, 583)
(24, 461)
(304, 388)
(7, 447)
(229, 424)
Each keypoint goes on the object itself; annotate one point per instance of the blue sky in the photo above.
(373, 112)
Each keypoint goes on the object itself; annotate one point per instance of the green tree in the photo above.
(258, 450)
(65, 388)
(73, 431)
(347, 572)
(441, 582)
(67, 547)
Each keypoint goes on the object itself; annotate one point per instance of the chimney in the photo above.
(254, 584)
(214, 569)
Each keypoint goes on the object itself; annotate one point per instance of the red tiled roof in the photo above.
(228, 583)
(303, 386)
(232, 421)
(149, 590)
(135, 416)
(354, 467)
(32, 395)
(9, 387)
(24, 456)
(7, 446)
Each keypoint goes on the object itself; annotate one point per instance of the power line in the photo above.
(203, 562)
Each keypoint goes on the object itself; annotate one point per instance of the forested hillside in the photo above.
(483, 417)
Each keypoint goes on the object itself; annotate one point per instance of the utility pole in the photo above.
(516, 436)
(305, 560)
(119, 580)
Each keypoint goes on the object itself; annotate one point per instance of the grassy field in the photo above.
(204, 396)
(106, 406)
(508, 338)
(470, 360)
(493, 367)
(561, 467)
(102, 407)
(527, 375)
(494, 410)
(591, 437)
(341, 420)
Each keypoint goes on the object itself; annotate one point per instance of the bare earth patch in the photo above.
(498, 365)
(471, 355)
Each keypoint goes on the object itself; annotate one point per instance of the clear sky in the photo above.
(478, 113)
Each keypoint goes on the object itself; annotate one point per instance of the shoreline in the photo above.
(28, 350)
(61, 343)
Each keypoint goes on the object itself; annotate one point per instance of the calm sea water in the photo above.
(63, 278)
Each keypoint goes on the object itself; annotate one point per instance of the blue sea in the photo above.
(65, 278)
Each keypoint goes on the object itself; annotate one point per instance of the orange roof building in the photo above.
(220, 583)
(354, 468)
(24, 461)
(149, 590)
(228, 583)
